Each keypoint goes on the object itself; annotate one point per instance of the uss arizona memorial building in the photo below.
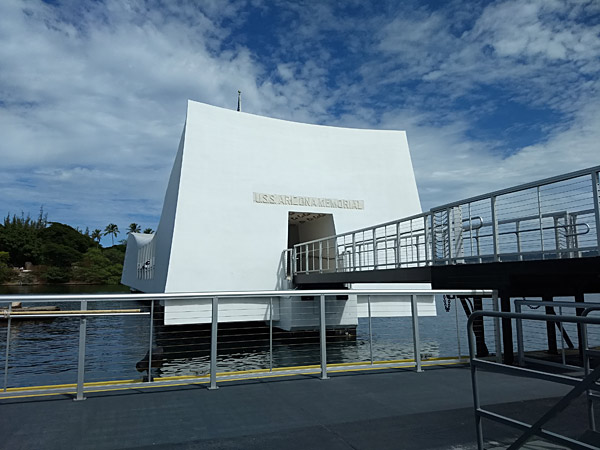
(243, 188)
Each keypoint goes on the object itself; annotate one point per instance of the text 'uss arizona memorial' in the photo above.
(276, 199)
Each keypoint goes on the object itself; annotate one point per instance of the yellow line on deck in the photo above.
(204, 379)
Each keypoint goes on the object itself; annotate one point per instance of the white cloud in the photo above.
(93, 95)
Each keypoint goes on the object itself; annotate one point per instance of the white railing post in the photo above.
(323, 336)
(213, 343)
(495, 229)
(81, 357)
(415, 329)
(7, 347)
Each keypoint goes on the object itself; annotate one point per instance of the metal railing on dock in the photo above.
(584, 381)
(554, 218)
(97, 342)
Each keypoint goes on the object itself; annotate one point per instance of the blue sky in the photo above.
(93, 94)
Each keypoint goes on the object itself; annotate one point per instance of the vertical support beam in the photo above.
(559, 254)
(397, 252)
(321, 257)
(475, 387)
(449, 233)
(323, 336)
(151, 339)
(518, 232)
(81, 357)
(457, 327)
(580, 298)
(550, 327)
(293, 261)
(213, 344)
(270, 334)
(496, 307)
(306, 258)
(415, 328)
(520, 343)
(495, 238)
(374, 249)
(7, 347)
(426, 228)
(596, 187)
(478, 329)
(539, 202)
(507, 334)
(370, 330)
(354, 251)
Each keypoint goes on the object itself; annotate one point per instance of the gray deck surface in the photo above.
(393, 409)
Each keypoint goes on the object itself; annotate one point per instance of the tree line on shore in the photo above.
(37, 251)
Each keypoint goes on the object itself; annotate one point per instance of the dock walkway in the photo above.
(387, 409)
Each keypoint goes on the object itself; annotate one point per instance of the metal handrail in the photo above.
(580, 385)
(444, 229)
(214, 298)
(522, 187)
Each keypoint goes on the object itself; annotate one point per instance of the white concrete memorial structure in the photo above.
(244, 188)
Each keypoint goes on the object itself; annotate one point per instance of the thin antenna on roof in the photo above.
(239, 101)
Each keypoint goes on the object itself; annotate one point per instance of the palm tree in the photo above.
(134, 228)
(97, 235)
(148, 231)
(113, 230)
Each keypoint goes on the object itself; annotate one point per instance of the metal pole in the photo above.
(495, 229)
(150, 344)
(457, 331)
(427, 229)
(370, 330)
(398, 243)
(470, 229)
(374, 250)
(81, 359)
(7, 347)
(539, 201)
(586, 371)
(518, 231)
(306, 258)
(496, 307)
(270, 334)
(415, 327)
(474, 385)
(520, 344)
(294, 262)
(323, 336)
(213, 344)
(321, 256)
(595, 187)
(449, 236)
(353, 251)
(562, 338)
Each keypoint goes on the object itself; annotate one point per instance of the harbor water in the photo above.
(44, 352)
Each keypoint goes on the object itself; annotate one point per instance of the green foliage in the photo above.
(6, 272)
(59, 255)
(148, 231)
(58, 233)
(97, 235)
(112, 230)
(19, 237)
(115, 254)
(134, 228)
(96, 267)
(57, 275)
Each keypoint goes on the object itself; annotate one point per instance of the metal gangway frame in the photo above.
(554, 218)
(587, 384)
